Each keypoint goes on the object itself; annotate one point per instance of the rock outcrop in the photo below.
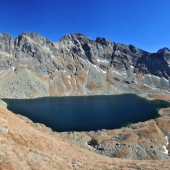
(33, 66)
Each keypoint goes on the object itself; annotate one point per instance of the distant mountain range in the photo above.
(33, 66)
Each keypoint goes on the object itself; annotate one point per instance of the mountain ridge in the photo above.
(77, 65)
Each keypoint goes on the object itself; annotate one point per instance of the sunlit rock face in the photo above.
(33, 66)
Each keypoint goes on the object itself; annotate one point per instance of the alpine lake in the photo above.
(87, 113)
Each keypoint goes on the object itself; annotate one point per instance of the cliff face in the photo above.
(33, 66)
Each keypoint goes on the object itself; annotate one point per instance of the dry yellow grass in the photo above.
(24, 147)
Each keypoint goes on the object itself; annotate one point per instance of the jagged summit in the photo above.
(165, 50)
(165, 53)
(72, 36)
(6, 44)
(104, 41)
(37, 38)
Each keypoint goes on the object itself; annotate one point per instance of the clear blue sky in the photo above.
(143, 23)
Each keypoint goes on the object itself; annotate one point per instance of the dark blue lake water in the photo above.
(87, 113)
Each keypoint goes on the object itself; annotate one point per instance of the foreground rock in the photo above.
(33, 66)
(23, 146)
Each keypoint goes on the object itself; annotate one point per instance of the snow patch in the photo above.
(123, 73)
(167, 143)
(82, 59)
(97, 68)
(156, 77)
(68, 93)
(13, 68)
(104, 72)
(75, 82)
(104, 61)
(87, 144)
(47, 49)
(84, 85)
(64, 87)
(5, 73)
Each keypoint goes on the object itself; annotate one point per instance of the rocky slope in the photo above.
(33, 66)
(142, 141)
(28, 146)
(148, 140)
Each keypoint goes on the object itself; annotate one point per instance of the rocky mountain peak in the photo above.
(103, 41)
(164, 50)
(6, 44)
(165, 53)
(34, 38)
(78, 36)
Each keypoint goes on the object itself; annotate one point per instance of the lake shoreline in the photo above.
(121, 142)
(63, 113)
